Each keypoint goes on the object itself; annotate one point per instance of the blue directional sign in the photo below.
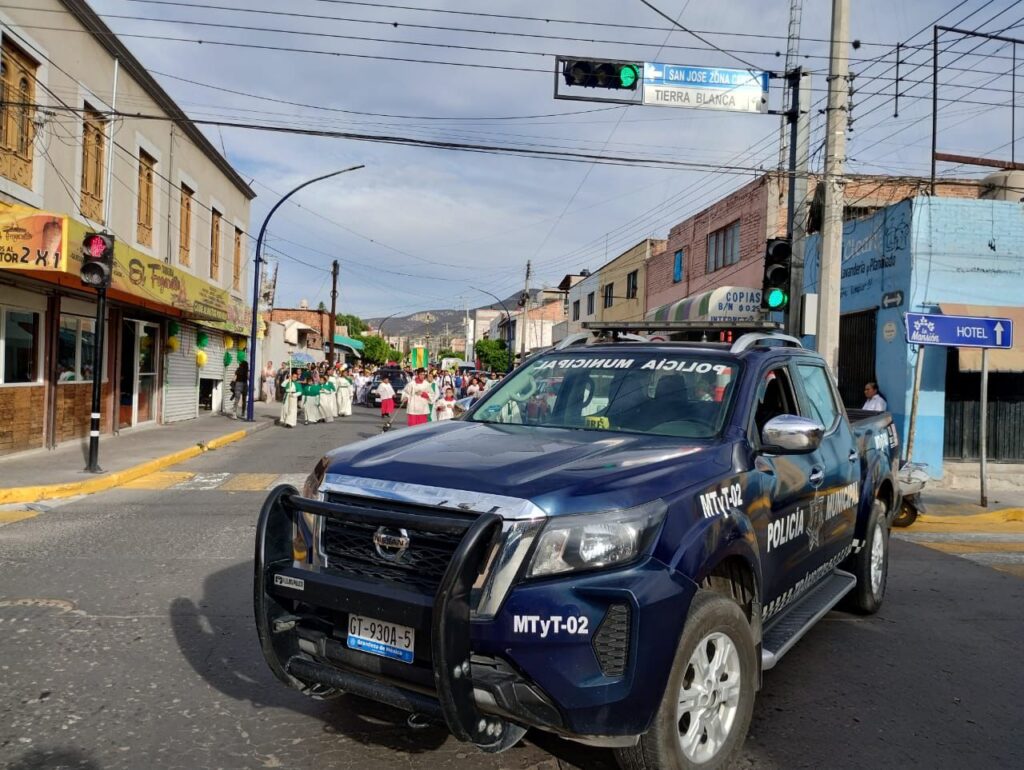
(959, 331)
(708, 88)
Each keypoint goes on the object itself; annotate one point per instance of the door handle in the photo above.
(853, 456)
(816, 476)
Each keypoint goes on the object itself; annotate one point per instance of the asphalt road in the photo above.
(126, 641)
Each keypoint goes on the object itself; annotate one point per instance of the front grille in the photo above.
(349, 549)
(611, 642)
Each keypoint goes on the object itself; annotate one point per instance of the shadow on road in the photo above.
(54, 759)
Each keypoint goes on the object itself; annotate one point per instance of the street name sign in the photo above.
(959, 331)
(707, 88)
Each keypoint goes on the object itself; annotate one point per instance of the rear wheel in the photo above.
(906, 515)
(870, 565)
(704, 715)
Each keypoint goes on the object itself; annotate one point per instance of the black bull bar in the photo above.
(449, 616)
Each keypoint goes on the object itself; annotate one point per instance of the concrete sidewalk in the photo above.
(48, 474)
(957, 502)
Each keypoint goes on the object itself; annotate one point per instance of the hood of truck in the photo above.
(560, 471)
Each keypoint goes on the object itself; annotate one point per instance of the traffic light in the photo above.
(97, 260)
(590, 73)
(778, 257)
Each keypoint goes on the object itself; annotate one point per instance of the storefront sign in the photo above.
(156, 281)
(32, 240)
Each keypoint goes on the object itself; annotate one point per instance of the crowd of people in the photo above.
(320, 392)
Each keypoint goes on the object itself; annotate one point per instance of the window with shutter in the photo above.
(185, 226)
(144, 223)
(236, 262)
(93, 141)
(17, 128)
(215, 217)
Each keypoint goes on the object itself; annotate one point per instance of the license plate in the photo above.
(378, 637)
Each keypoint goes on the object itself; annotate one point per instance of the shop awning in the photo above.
(1011, 360)
(354, 345)
(726, 303)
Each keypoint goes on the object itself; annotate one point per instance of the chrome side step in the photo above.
(785, 631)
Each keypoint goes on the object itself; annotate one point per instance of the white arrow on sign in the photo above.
(999, 332)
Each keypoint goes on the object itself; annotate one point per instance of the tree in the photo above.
(321, 307)
(448, 353)
(355, 324)
(493, 354)
(377, 351)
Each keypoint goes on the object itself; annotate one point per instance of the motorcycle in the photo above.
(912, 478)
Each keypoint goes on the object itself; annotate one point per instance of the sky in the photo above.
(423, 228)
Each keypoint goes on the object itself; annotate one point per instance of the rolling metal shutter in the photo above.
(214, 369)
(229, 375)
(181, 378)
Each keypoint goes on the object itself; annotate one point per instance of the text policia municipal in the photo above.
(665, 364)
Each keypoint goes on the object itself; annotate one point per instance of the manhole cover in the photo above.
(27, 610)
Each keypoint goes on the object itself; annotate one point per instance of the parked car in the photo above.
(397, 379)
(619, 568)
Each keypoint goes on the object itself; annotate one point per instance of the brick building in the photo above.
(723, 245)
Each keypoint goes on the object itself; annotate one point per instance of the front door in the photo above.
(789, 483)
(139, 356)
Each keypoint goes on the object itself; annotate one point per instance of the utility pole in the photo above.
(792, 53)
(835, 156)
(526, 314)
(798, 204)
(334, 309)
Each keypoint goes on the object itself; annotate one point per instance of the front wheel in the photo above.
(704, 715)
(870, 565)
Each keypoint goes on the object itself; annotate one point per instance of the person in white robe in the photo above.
(290, 403)
(344, 396)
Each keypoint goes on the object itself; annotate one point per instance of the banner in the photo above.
(32, 240)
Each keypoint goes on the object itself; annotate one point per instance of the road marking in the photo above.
(993, 546)
(9, 517)
(977, 547)
(160, 480)
(297, 480)
(204, 481)
(250, 482)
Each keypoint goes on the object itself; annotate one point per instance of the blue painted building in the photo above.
(947, 255)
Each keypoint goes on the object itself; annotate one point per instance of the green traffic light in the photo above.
(628, 75)
(776, 298)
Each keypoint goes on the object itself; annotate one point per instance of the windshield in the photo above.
(655, 393)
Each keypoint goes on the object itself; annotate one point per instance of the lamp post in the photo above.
(256, 280)
(508, 324)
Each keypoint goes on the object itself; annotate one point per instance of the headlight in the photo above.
(595, 540)
(305, 527)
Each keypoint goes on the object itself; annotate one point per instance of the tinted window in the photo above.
(820, 401)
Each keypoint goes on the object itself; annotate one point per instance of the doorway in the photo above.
(856, 356)
(139, 356)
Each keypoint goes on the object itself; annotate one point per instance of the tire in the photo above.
(870, 565)
(906, 516)
(717, 625)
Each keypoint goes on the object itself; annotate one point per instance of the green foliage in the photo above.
(321, 307)
(355, 324)
(493, 354)
(449, 353)
(377, 351)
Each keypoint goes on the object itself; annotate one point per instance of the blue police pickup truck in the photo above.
(611, 545)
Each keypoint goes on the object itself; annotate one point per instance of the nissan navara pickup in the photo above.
(611, 545)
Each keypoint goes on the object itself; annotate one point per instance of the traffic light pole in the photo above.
(97, 382)
(797, 206)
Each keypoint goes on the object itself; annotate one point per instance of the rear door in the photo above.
(788, 491)
(832, 515)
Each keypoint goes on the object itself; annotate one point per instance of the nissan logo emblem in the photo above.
(390, 543)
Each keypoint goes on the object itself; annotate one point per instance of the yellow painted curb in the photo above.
(116, 479)
(1008, 520)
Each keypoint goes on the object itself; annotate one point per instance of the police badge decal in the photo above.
(815, 521)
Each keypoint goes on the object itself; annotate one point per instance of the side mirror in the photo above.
(463, 404)
(790, 434)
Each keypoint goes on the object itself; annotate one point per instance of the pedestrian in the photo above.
(445, 408)
(473, 388)
(387, 402)
(344, 396)
(311, 399)
(267, 382)
(290, 402)
(457, 381)
(435, 392)
(491, 382)
(328, 399)
(240, 389)
(875, 400)
(418, 399)
(283, 376)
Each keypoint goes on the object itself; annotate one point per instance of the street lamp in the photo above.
(508, 324)
(256, 281)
